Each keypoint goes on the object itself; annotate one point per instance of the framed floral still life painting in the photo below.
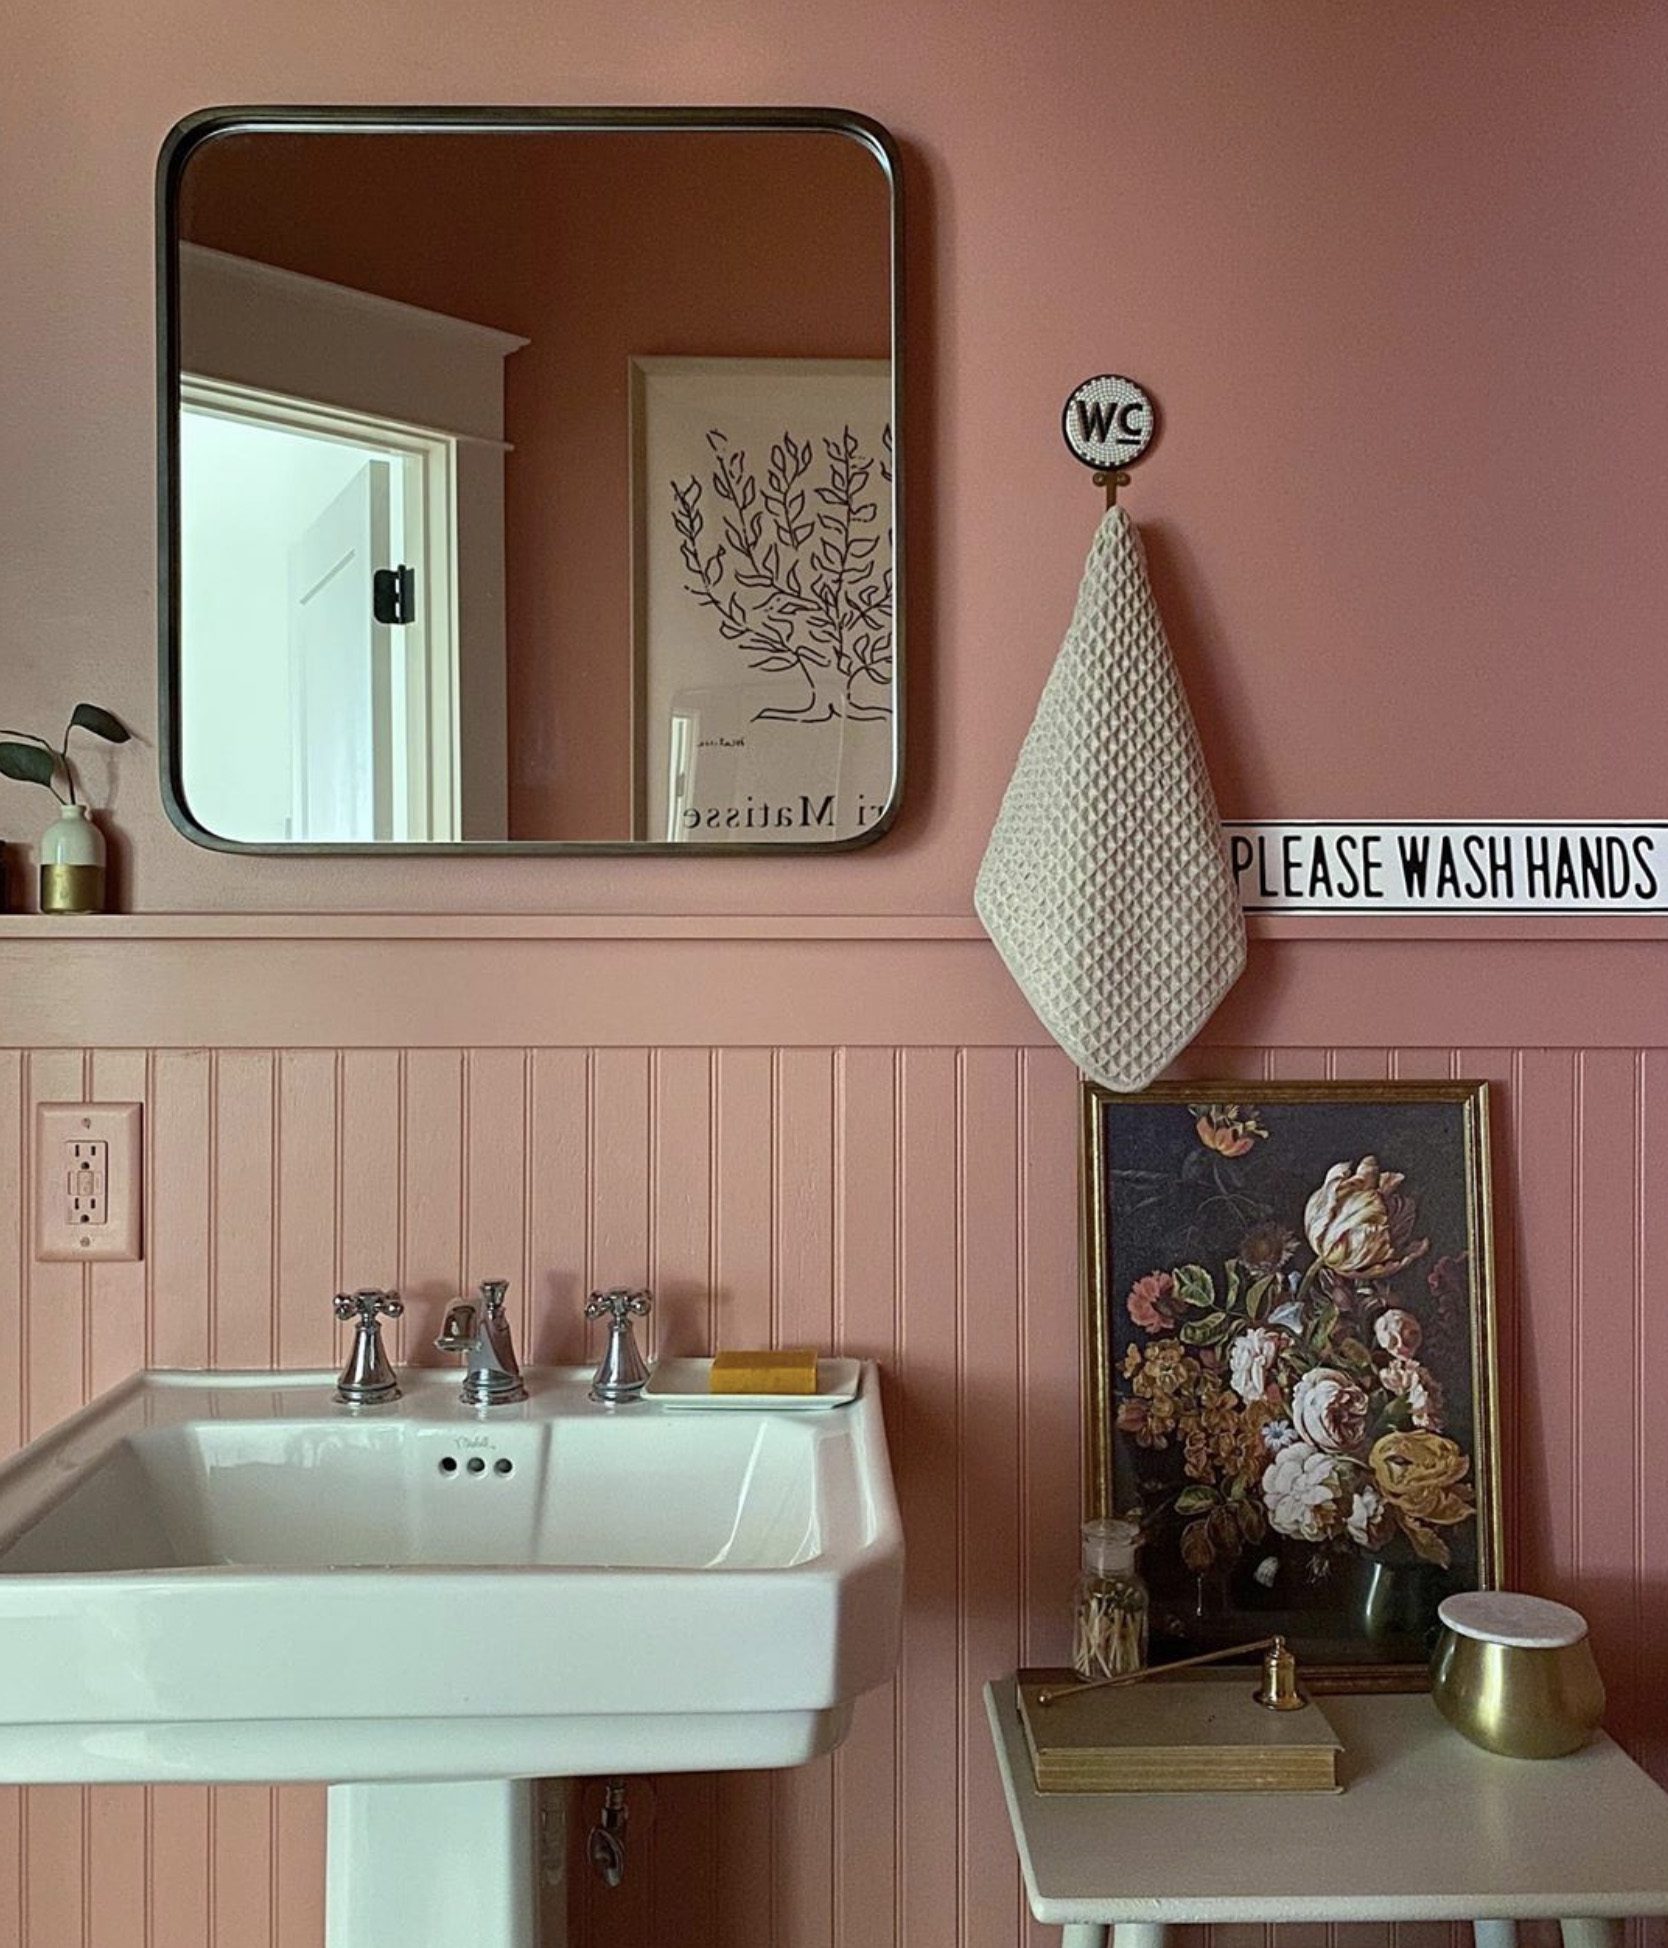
(1291, 1344)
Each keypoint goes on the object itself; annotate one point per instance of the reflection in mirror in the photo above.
(535, 485)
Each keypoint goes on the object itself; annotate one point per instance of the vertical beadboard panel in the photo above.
(1649, 1330)
(916, 1205)
(242, 1914)
(1605, 1355)
(305, 1205)
(743, 1297)
(370, 1162)
(497, 1108)
(866, 1295)
(431, 1209)
(55, 1866)
(1050, 1459)
(182, 1177)
(987, 1517)
(621, 1113)
(298, 1869)
(930, 1376)
(54, 1302)
(117, 1823)
(559, 1202)
(242, 1309)
(1547, 1132)
(180, 1905)
(53, 1822)
(803, 1118)
(681, 1199)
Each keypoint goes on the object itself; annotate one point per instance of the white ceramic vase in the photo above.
(72, 863)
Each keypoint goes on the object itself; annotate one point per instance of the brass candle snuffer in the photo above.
(1277, 1692)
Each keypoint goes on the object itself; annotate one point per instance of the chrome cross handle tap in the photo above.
(621, 1374)
(481, 1332)
(367, 1380)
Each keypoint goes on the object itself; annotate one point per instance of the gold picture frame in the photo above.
(1389, 1496)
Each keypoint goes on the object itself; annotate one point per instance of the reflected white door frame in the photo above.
(419, 786)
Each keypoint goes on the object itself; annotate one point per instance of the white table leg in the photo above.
(1494, 1934)
(1083, 1934)
(1592, 1934)
(1138, 1934)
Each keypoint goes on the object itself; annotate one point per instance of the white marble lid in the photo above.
(1505, 1617)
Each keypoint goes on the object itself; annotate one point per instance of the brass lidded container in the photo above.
(1516, 1674)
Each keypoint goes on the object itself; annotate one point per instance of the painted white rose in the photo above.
(1251, 1361)
(1329, 1410)
(1420, 1387)
(1398, 1332)
(1370, 1522)
(1304, 1491)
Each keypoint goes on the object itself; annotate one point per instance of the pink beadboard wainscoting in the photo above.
(899, 1184)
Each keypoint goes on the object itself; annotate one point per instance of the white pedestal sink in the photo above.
(227, 1577)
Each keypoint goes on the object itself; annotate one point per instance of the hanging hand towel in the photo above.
(1105, 886)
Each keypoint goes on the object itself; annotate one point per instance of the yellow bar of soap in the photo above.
(791, 1370)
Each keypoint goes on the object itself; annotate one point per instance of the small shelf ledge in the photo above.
(66, 929)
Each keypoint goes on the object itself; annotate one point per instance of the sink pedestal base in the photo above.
(450, 1865)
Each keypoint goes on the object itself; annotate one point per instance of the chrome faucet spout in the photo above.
(481, 1332)
(457, 1335)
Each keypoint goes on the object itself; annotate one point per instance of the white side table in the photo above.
(1428, 1828)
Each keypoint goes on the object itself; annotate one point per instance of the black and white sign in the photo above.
(1507, 866)
(1108, 422)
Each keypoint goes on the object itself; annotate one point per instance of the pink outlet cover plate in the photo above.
(114, 1233)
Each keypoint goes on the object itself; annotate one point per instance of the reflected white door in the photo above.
(340, 705)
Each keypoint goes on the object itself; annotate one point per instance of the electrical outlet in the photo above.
(87, 1184)
(88, 1193)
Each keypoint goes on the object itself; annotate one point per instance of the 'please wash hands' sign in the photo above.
(1508, 866)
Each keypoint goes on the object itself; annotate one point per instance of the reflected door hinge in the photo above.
(394, 594)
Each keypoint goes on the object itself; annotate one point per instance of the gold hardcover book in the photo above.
(1204, 1732)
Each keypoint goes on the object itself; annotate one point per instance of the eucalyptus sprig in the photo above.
(34, 761)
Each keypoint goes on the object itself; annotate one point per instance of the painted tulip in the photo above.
(1360, 1223)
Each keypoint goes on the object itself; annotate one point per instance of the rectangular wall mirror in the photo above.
(530, 479)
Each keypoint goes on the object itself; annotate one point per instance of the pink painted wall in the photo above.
(597, 250)
(1393, 273)
(1350, 248)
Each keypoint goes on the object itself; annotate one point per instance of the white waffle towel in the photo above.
(1105, 885)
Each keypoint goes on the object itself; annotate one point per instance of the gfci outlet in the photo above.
(88, 1193)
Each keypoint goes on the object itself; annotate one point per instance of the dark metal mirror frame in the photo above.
(182, 143)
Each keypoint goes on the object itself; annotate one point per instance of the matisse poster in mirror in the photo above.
(764, 593)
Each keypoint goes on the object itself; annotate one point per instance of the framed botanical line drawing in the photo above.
(1291, 1383)
(765, 703)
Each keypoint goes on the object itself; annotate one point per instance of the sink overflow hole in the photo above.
(475, 1465)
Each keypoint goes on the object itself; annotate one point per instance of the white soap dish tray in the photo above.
(683, 1384)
